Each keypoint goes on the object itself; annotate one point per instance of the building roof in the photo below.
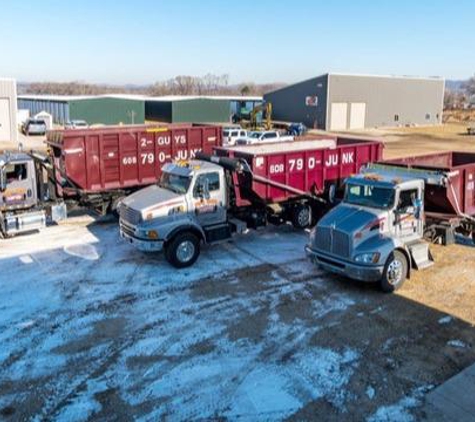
(356, 75)
(166, 98)
(207, 97)
(41, 97)
(363, 75)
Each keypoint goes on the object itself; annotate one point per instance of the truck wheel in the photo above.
(395, 272)
(183, 250)
(301, 216)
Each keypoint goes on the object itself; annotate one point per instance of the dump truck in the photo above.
(91, 168)
(390, 214)
(213, 197)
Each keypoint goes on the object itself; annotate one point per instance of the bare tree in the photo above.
(209, 84)
(469, 86)
(454, 99)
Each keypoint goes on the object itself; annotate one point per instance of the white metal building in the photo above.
(8, 110)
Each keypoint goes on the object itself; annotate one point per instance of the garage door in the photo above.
(357, 115)
(5, 119)
(339, 115)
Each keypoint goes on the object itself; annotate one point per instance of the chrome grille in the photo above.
(341, 244)
(127, 230)
(129, 215)
(333, 241)
(323, 239)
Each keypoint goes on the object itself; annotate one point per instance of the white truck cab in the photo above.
(188, 205)
(376, 233)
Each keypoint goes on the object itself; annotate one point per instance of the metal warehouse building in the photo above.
(8, 121)
(198, 109)
(102, 109)
(347, 102)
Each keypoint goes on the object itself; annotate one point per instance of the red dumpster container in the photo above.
(124, 157)
(456, 195)
(308, 165)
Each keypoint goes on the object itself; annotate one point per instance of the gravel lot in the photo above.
(92, 329)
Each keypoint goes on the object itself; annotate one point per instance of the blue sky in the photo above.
(143, 41)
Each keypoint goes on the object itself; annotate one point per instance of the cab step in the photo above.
(238, 226)
(421, 255)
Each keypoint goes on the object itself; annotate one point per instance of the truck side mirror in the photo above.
(3, 180)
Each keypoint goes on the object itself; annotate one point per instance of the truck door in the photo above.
(409, 214)
(20, 189)
(209, 197)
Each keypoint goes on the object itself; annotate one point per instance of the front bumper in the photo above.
(352, 270)
(144, 245)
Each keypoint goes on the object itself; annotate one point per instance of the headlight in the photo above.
(152, 234)
(368, 258)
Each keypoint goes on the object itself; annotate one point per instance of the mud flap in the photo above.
(421, 256)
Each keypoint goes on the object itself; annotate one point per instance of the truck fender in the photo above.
(186, 228)
(406, 253)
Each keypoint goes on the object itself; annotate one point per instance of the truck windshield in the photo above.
(369, 196)
(175, 182)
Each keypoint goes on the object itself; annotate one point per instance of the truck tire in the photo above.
(183, 250)
(395, 272)
(301, 216)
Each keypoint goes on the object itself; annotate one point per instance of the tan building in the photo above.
(8, 110)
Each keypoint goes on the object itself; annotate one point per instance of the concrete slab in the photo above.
(454, 400)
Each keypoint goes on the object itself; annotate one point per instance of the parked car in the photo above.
(297, 129)
(76, 124)
(264, 137)
(232, 134)
(34, 127)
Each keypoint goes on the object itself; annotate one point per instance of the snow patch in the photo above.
(401, 411)
(26, 259)
(84, 251)
(445, 320)
(459, 344)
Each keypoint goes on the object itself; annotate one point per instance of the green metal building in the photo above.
(103, 109)
(176, 109)
(112, 109)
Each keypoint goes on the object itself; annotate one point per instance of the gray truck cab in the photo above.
(188, 206)
(376, 232)
(19, 195)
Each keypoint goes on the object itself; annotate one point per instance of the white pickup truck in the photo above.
(264, 137)
(232, 134)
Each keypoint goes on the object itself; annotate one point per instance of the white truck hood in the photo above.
(155, 200)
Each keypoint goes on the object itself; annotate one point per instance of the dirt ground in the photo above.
(400, 142)
(91, 329)
(450, 285)
(28, 142)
